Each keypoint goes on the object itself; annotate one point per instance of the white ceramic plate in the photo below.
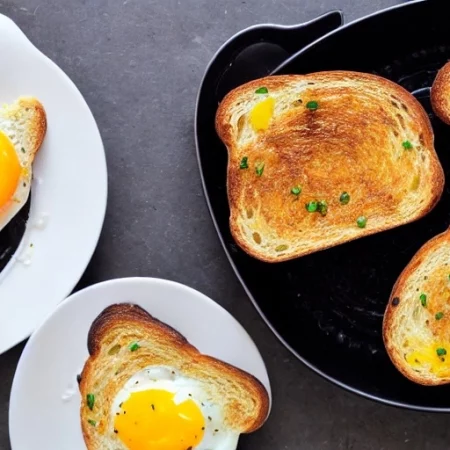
(69, 190)
(45, 401)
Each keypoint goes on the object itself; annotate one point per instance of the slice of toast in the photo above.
(24, 123)
(416, 326)
(243, 398)
(321, 159)
(440, 94)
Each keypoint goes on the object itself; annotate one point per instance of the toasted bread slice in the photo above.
(440, 94)
(24, 123)
(416, 326)
(244, 400)
(322, 159)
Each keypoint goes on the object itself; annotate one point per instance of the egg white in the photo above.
(216, 436)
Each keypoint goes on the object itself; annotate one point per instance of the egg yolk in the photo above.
(152, 420)
(10, 170)
(439, 365)
(261, 114)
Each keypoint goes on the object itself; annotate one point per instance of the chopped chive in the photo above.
(423, 300)
(259, 169)
(134, 346)
(322, 207)
(344, 198)
(407, 145)
(312, 105)
(22, 150)
(311, 206)
(90, 399)
(244, 163)
(262, 90)
(441, 351)
(361, 221)
(296, 190)
(439, 315)
(92, 422)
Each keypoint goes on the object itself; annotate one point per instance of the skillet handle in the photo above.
(256, 51)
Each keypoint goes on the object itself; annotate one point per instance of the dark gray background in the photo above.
(139, 64)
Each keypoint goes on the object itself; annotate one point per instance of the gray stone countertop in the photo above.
(139, 64)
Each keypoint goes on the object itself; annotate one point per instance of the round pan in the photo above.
(327, 308)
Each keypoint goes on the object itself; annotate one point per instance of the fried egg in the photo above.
(22, 129)
(160, 409)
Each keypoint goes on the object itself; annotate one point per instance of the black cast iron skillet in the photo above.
(327, 308)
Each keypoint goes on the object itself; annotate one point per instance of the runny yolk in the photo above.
(151, 420)
(10, 170)
(261, 114)
(427, 356)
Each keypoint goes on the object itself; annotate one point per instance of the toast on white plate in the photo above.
(144, 384)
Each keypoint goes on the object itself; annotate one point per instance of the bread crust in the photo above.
(440, 94)
(132, 321)
(38, 127)
(392, 323)
(298, 140)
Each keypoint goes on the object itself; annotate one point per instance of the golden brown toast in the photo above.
(243, 398)
(416, 327)
(321, 159)
(440, 94)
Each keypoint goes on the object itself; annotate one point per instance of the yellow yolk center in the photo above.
(151, 420)
(10, 169)
(428, 356)
(261, 114)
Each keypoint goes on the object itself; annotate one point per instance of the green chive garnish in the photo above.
(361, 221)
(344, 198)
(322, 207)
(296, 190)
(134, 346)
(311, 206)
(407, 145)
(244, 163)
(262, 90)
(92, 422)
(22, 149)
(90, 399)
(312, 105)
(441, 351)
(260, 169)
(439, 315)
(423, 300)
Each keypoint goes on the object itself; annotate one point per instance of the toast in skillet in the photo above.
(416, 326)
(440, 94)
(321, 159)
(124, 341)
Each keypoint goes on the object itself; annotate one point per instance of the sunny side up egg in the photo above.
(160, 409)
(15, 179)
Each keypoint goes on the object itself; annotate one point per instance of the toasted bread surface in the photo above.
(329, 133)
(416, 326)
(440, 94)
(244, 398)
(24, 123)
